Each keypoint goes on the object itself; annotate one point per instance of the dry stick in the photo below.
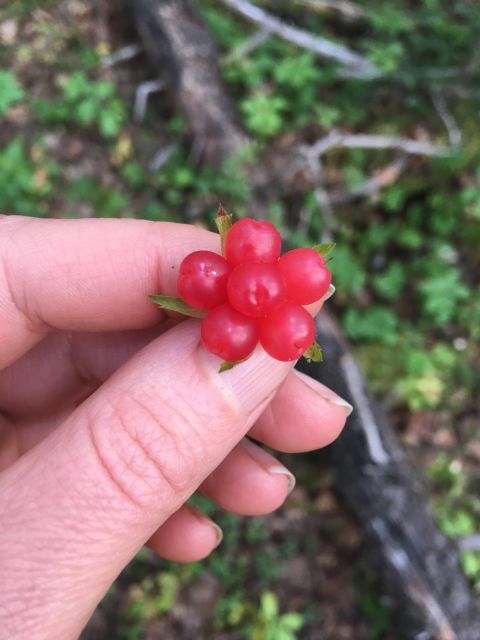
(336, 139)
(356, 64)
(368, 141)
(372, 185)
(454, 133)
(348, 9)
(258, 38)
(121, 55)
(344, 8)
(142, 94)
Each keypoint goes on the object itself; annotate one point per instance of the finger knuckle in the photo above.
(148, 455)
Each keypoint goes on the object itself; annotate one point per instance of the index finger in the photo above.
(89, 275)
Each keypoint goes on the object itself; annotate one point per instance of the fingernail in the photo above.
(206, 520)
(324, 392)
(264, 459)
(280, 469)
(330, 291)
(251, 384)
(218, 533)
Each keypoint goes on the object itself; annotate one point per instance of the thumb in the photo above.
(77, 508)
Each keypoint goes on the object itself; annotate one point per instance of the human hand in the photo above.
(112, 415)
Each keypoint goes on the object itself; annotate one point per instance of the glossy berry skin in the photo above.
(202, 280)
(229, 334)
(252, 241)
(306, 277)
(287, 332)
(255, 289)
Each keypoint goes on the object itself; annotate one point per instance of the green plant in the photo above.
(10, 91)
(263, 113)
(85, 102)
(270, 624)
(26, 180)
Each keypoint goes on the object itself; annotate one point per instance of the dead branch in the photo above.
(355, 64)
(337, 139)
(258, 38)
(344, 8)
(121, 55)
(372, 185)
(454, 133)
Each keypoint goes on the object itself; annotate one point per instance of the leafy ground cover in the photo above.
(406, 265)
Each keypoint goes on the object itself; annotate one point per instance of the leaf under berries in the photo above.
(177, 304)
(324, 249)
(314, 353)
(226, 366)
(224, 222)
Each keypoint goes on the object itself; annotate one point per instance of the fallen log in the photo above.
(166, 28)
(418, 565)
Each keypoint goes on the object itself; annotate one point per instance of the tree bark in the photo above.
(180, 47)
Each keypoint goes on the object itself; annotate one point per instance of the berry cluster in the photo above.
(253, 294)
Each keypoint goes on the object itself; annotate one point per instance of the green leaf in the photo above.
(324, 249)
(226, 366)
(314, 353)
(10, 91)
(269, 605)
(178, 305)
(224, 224)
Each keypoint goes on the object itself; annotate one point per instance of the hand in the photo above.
(112, 415)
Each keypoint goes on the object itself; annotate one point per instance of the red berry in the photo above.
(255, 289)
(252, 241)
(305, 274)
(229, 334)
(202, 281)
(287, 332)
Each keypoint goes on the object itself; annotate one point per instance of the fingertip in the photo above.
(187, 536)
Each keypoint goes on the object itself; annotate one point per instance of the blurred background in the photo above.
(352, 122)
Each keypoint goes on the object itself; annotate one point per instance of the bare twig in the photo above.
(161, 158)
(469, 543)
(372, 185)
(365, 141)
(454, 133)
(354, 63)
(144, 90)
(248, 46)
(344, 7)
(321, 196)
(121, 55)
(353, 377)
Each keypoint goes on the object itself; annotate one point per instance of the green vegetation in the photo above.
(406, 262)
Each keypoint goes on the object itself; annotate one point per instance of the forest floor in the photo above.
(69, 148)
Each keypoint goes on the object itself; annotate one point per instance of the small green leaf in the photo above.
(226, 366)
(178, 305)
(314, 353)
(224, 224)
(324, 249)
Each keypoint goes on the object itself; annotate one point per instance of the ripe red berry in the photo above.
(255, 289)
(287, 332)
(305, 274)
(202, 280)
(252, 241)
(229, 334)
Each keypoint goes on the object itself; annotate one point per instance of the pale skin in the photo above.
(112, 415)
